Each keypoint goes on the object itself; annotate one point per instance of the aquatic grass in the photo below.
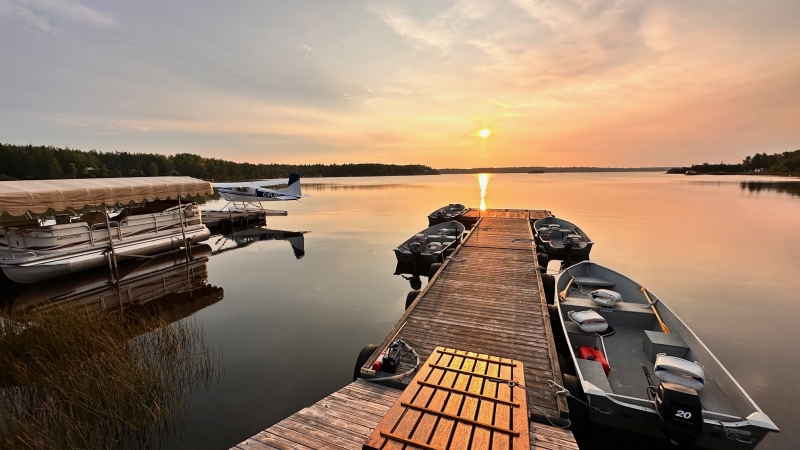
(73, 378)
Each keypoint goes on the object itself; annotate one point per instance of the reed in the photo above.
(71, 378)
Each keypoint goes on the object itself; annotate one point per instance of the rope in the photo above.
(456, 259)
(732, 435)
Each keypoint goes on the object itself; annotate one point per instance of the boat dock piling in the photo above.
(486, 299)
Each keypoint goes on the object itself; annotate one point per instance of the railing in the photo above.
(96, 226)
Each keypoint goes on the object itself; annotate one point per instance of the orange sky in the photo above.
(585, 82)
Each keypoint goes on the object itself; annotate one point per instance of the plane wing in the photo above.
(257, 183)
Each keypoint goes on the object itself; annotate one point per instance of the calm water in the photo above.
(723, 253)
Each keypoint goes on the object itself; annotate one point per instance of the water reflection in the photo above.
(483, 181)
(243, 238)
(168, 284)
(411, 273)
(791, 188)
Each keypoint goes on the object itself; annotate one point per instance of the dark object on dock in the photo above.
(562, 240)
(453, 211)
(430, 244)
(470, 397)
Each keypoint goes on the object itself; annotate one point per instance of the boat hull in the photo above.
(555, 249)
(433, 243)
(46, 268)
(446, 214)
(642, 420)
(620, 397)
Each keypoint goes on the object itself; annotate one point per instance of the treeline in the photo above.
(26, 162)
(786, 163)
(542, 169)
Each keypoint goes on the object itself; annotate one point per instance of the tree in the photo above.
(72, 171)
(152, 170)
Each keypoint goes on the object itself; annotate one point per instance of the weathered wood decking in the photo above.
(344, 420)
(486, 299)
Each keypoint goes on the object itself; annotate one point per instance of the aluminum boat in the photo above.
(660, 378)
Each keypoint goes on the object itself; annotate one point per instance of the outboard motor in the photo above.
(680, 413)
(416, 249)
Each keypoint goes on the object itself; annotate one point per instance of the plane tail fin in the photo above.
(293, 188)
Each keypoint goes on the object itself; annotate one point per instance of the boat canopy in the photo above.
(37, 196)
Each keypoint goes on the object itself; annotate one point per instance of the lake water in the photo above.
(722, 251)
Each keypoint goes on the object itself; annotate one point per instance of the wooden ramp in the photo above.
(458, 400)
(345, 419)
(488, 299)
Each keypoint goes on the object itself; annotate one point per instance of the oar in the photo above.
(563, 294)
(664, 326)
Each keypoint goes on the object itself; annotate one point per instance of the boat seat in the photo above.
(592, 371)
(594, 282)
(623, 313)
(579, 337)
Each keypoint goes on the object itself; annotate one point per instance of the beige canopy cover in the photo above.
(17, 197)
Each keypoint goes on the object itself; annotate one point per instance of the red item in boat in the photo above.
(593, 354)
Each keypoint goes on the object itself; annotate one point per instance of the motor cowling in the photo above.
(415, 248)
(680, 413)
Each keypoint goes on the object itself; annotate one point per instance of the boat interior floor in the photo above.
(625, 348)
(626, 357)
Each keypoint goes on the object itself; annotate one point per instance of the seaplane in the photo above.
(252, 193)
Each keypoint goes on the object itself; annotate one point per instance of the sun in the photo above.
(485, 133)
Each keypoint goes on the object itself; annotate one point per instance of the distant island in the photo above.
(542, 169)
(27, 162)
(786, 163)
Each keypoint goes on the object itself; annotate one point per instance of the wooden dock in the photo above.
(489, 299)
(344, 420)
(486, 299)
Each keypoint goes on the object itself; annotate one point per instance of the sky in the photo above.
(558, 82)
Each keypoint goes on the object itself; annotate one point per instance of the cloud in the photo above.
(423, 35)
(45, 15)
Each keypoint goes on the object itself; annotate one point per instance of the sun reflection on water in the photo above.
(483, 181)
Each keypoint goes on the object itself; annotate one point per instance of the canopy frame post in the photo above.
(112, 262)
(183, 230)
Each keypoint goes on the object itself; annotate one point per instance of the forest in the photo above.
(786, 163)
(27, 162)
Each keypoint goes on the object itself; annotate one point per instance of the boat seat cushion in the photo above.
(578, 337)
(589, 321)
(680, 371)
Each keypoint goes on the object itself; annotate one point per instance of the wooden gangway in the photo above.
(487, 299)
